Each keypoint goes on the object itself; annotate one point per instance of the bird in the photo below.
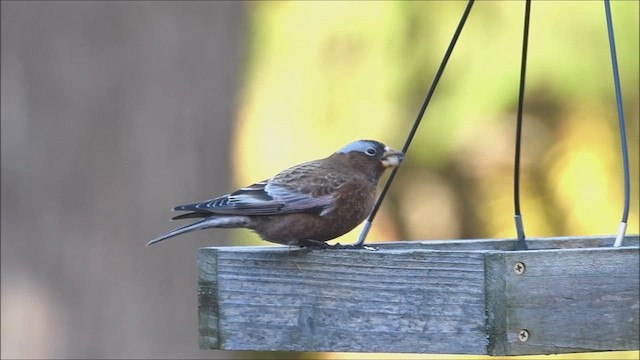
(305, 205)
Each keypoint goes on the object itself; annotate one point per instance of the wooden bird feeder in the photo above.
(563, 295)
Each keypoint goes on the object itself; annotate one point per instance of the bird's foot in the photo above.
(354, 247)
(321, 245)
(314, 244)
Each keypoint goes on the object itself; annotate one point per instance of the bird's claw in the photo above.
(321, 245)
(354, 247)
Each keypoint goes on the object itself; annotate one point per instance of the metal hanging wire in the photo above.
(521, 244)
(622, 228)
(405, 148)
(521, 239)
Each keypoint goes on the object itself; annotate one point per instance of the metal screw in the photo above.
(519, 268)
(523, 335)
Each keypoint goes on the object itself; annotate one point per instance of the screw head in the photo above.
(519, 268)
(523, 335)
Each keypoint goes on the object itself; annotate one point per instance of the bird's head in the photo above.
(371, 155)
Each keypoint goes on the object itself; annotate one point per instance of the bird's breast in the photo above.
(353, 202)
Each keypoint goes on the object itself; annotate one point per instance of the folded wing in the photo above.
(307, 188)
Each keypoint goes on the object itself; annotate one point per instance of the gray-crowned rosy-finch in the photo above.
(304, 205)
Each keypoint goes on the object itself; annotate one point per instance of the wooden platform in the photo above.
(573, 294)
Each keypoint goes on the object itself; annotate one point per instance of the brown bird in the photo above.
(305, 205)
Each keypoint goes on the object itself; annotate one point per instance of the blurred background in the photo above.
(114, 112)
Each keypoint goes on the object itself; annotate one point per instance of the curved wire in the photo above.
(623, 136)
(521, 243)
(443, 64)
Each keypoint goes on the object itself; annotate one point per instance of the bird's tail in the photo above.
(210, 222)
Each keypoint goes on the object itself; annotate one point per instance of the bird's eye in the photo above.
(370, 151)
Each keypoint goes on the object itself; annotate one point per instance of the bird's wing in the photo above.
(303, 188)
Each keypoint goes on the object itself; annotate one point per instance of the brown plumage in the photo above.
(304, 205)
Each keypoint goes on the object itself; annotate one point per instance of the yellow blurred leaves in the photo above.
(317, 70)
(586, 174)
(322, 74)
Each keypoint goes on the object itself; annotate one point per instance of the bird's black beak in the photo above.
(391, 158)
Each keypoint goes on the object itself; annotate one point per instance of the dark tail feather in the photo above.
(191, 215)
(210, 222)
(185, 229)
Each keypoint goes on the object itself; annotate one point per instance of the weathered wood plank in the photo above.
(398, 301)
(418, 297)
(573, 300)
(496, 300)
(208, 310)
